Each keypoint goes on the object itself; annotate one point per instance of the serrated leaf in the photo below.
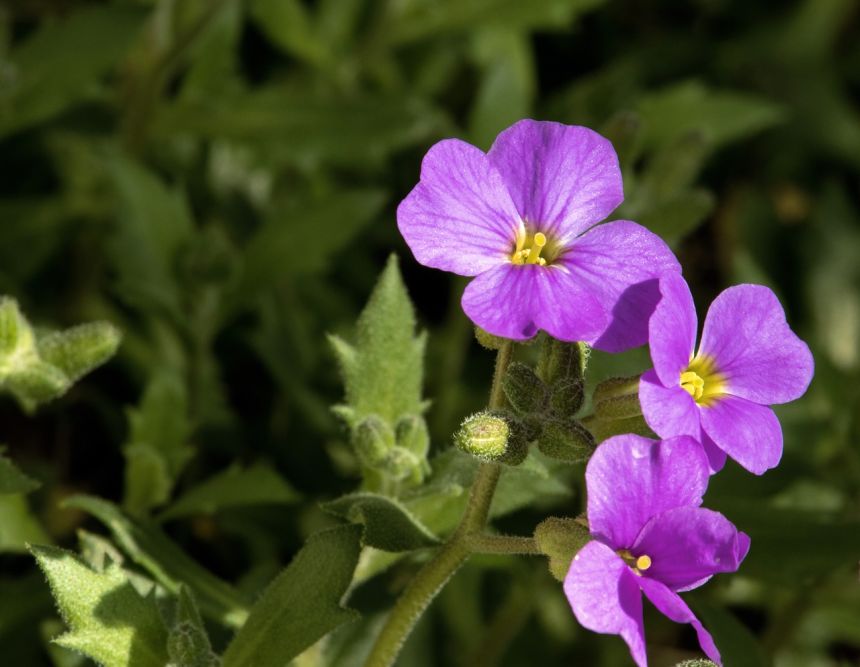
(61, 63)
(187, 642)
(302, 604)
(388, 525)
(383, 372)
(12, 480)
(234, 487)
(150, 548)
(79, 350)
(108, 620)
(18, 526)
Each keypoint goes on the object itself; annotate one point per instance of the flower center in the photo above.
(530, 246)
(638, 563)
(702, 380)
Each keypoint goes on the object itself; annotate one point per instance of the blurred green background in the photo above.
(219, 178)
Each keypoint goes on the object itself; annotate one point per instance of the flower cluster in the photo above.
(524, 220)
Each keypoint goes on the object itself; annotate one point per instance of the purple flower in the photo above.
(650, 536)
(521, 219)
(748, 359)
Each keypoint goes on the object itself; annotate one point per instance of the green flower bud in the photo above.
(560, 539)
(618, 407)
(488, 340)
(493, 437)
(566, 440)
(566, 397)
(561, 360)
(525, 391)
(616, 387)
(373, 439)
(603, 429)
(411, 434)
(401, 464)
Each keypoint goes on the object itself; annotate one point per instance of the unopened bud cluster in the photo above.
(398, 453)
(617, 409)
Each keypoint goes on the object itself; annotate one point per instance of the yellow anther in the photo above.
(538, 242)
(643, 563)
(693, 384)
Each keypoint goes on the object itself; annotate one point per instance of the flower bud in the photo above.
(602, 429)
(401, 464)
(566, 440)
(488, 340)
(618, 407)
(525, 391)
(616, 387)
(411, 434)
(561, 360)
(373, 439)
(493, 437)
(560, 539)
(566, 397)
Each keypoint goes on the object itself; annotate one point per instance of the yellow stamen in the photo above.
(538, 243)
(643, 563)
(693, 384)
(702, 380)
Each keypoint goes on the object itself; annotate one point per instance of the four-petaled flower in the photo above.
(650, 536)
(521, 219)
(748, 359)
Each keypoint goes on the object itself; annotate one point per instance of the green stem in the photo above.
(436, 573)
(503, 544)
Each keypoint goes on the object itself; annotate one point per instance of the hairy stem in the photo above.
(503, 544)
(436, 573)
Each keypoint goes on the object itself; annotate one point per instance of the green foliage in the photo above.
(388, 525)
(187, 642)
(108, 620)
(234, 487)
(12, 480)
(560, 539)
(301, 604)
(166, 562)
(157, 448)
(738, 646)
(18, 525)
(38, 367)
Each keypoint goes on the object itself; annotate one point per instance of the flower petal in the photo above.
(669, 411)
(672, 330)
(631, 479)
(515, 301)
(755, 349)
(605, 596)
(688, 545)
(749, 433)
(562, 178)
(620, 262)
(716, 456)
(673, 607)
(459, 217)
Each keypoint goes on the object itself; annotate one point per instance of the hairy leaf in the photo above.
(388, 525)
(108, 620)
(302, 604)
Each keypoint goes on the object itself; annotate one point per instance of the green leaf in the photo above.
(13, 480)
(147, 546)
(696, 662)
(154, 222)
(157, 449)
(288, 24)
(18, 526)
(675, 218)
(302, 604)
(234, 487)
(79, 350)
(383, 370)
(388, 525)
(108, 620)
(187, 642)
(721, 116)
(738, 646)
(302, 236)
(61, 63)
